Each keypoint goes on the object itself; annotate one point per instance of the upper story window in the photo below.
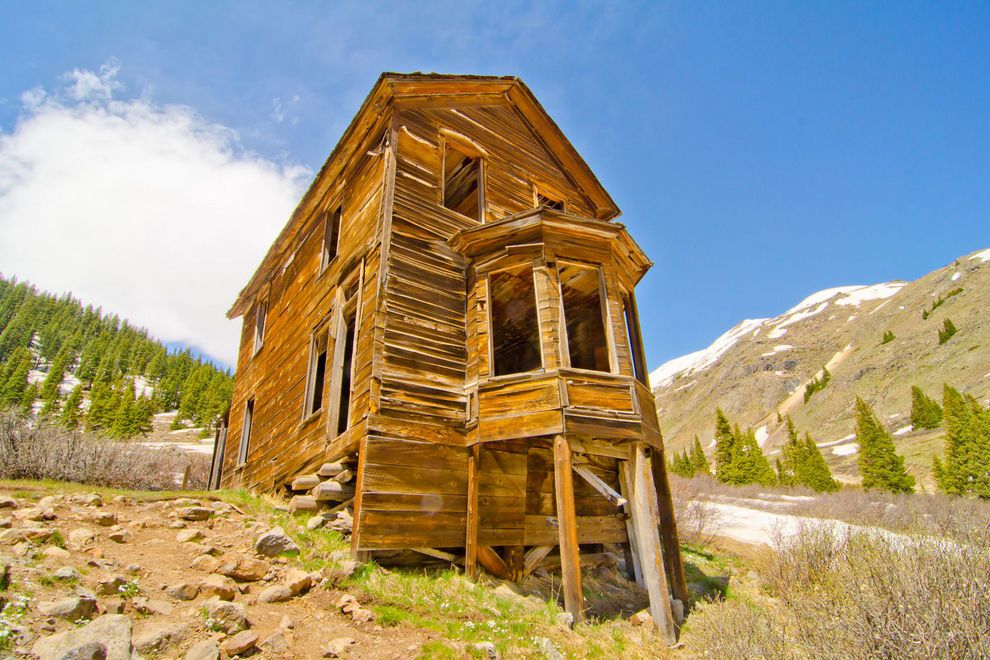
(317, 375)
(515, 328)
(242, 450)
(635, 336)
(548, 202)
(260, 318)
(331, 235)
(462, 185)
(584, 317)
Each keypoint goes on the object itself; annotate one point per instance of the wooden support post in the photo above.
(646, 519)
(356, 552)
(492, 562)
(534, 556)
(668, 530)
(570, 562)
(515, 560)
(625, 484)
(471, 540)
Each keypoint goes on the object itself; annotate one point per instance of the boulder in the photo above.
(315, 523)
(105, 518)
(189, 536)
(55, 552)
(111, 631)
(204, 650)
(195, 513)
(7, 502)
(119, 536)
(218, 585)
(153, 639)
(241, 642)
(81, 536)
(275, 542)
(226, 616)
(277, 593)
(72, 608)
(182, 590)
(336, 647)
(150, 606)
(205, 563)
(298, 581)
(66, 573)
(242, 569)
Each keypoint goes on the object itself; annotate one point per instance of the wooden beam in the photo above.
(516, 561)
(646, 519)
(668, 530)
(534, 556)
(570, 562)
(356, 552)
(491, 562)
(633, 566)
(600, 486)
(471, 540)
(440, 554)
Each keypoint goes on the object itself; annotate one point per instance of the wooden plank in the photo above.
(544, 530)
(440, 554)
(668, 530)
(492, 562)
(356, 550)
(331, 469)
(632, 549)
(646, 519)
(534, 556)
(568, 536)
(471, 536)
(599, 485)
(305, 482)
(332, 491)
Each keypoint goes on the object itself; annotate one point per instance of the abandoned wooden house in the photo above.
(445, 332)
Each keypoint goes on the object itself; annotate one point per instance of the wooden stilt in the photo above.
(492, 562)
(570, 563)
(471, 541)
(356, 551)
(625, 484)
(668, 530)
(646, 519)
(534, 556)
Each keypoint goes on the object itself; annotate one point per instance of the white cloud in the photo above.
(148, 210)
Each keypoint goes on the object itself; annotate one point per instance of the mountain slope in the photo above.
(763, 366)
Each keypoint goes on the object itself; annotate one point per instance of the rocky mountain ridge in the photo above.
(763, 366)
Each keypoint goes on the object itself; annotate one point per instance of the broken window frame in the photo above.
(565, 348)
(542, 198)
(315, 381)
(449, 143)
(333, 220)
(537, 320)
(634, 337)
(247, 426)
(347, 306)
(260, 325)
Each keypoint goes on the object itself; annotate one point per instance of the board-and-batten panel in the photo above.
(299, 299)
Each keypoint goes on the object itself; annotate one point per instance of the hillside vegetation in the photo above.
(76, 364)
(886, 344)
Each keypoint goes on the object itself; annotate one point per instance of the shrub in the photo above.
(946, 332)
(817, 384)
(41, 450)
(888, 337)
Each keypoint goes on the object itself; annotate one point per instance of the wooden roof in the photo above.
(414, 89)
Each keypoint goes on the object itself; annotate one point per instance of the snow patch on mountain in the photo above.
(875, 292)
(700, 360)
(982, 255)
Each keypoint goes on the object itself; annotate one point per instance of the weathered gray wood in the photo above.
(600, 485)
(570, 562)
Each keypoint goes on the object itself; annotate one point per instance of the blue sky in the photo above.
(759, 151)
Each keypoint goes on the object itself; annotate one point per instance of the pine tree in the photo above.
(725, 449)
(753, 465)
(699, 460)
(946, 331)
(966, 468)
(880, 467)
(815, 473)
(925, 411)
(72, 411)
(15, 381)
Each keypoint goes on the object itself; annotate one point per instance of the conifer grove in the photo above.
(97, 371)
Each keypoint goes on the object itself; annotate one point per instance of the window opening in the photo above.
(515, 331)
(242, 453)
(259, 325)
(580, 292)
(549, 202)
(331, 234)
(344, 403)
(317, 372)
(635, 338)
(461, 182)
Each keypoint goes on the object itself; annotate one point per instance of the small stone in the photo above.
(548, 648)
(361, 615)
(73, 608)
(487, 649)
(204, 650)
(189, 535)
(315, 523)
(119, 536)
(183, 591)
(677, 610)
(91, 499)
(243, 569)
(275, 644)
(275, 542)
(565, 620)
(133, 568)
(205, 563)
(218, 585)
(158, 636)
(7, 502)
(641, 618)
(278, 593)
(241, 642)
(5, 523)
(81, 536)
(114, 606)
(105, 518)
(66, 573)
(346, 603)
(336, 647)
(341, 571)
(195, 513)
(150, 606)
(55, 552)
(343, 523)
(298, 581)
(110, 586)
(227, 616)
(287, 622)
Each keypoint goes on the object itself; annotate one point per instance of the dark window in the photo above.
(549, 202)
(583, 314)
(259, 326)
(515, 331)
(331, 234)
(242, 453)
(461, 182)
(344, 403)
(635, 338)
(317, 373)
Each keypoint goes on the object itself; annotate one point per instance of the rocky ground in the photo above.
(90, 577)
